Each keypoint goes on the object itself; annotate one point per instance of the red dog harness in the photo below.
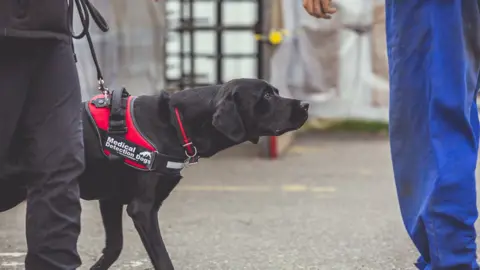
(120, 136)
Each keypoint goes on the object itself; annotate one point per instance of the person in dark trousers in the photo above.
(40, 125)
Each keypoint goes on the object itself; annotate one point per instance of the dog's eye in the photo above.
(267, 95)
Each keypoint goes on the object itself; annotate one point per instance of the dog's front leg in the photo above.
(111, 211)
(143, 210)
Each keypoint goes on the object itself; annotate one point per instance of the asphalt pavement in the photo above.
(330, 203)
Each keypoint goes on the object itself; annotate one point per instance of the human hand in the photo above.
(319, 8)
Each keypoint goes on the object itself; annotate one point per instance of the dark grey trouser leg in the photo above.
(14, 82)
(52, 151)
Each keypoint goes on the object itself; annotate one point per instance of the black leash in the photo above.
(117, 99)
(85, 10)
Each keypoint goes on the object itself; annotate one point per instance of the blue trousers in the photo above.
(434, 66)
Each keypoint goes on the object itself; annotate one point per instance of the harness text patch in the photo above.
(129, 150)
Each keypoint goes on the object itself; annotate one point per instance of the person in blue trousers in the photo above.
(434, 66)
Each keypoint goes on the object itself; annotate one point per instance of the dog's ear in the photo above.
(228, 121)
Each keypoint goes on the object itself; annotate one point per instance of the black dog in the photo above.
(216, 117)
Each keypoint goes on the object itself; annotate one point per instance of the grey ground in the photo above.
(330, 203)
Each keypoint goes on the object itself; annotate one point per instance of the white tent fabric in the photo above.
(131, 53)
(329, 64)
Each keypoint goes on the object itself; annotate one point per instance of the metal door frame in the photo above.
(186, 25)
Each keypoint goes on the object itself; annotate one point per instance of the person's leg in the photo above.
(15, 68)
(434, 64)
(53, 155)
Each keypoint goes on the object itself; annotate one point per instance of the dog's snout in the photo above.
(304, 105)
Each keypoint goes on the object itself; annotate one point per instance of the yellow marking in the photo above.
(303, 149)
(275, 37)
(224, 188)
(323, 189)
(253, 188)
(294, 188)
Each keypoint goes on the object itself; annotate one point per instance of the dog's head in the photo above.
(246, 109)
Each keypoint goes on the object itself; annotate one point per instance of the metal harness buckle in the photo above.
(103, 89)
(191, 159)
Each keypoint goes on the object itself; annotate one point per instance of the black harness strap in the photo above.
(117, 125)
(118, 112)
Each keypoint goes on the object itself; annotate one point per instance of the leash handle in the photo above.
(85, 10)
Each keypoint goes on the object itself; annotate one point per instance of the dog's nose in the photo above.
(304, 105)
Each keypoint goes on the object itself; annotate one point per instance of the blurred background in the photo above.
(320, 198)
